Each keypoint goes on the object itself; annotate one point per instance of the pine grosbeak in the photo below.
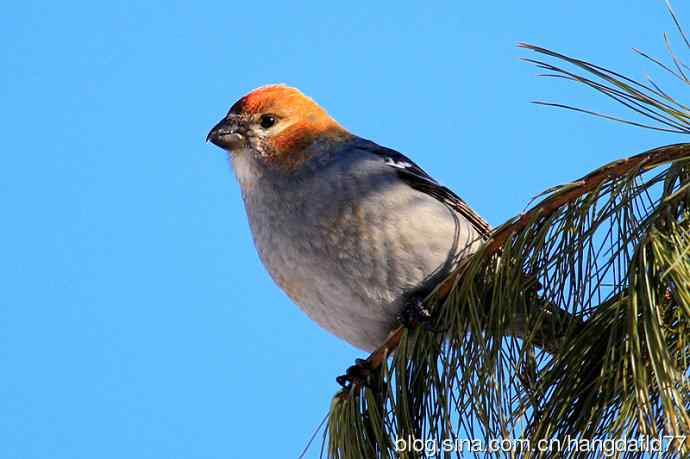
(353, 232)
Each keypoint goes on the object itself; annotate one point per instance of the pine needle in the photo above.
(571, 322)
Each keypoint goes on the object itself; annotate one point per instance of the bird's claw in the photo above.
(357, 374)
(415, 313)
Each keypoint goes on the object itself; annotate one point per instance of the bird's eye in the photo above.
(267, 121)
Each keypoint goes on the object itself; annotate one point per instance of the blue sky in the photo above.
(135, 317)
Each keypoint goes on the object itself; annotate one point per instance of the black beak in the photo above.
(227, 134)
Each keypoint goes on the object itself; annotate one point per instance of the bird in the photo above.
(355, 233)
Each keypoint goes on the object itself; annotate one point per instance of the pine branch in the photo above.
(560, 196)
(571, 321)
(479, 365)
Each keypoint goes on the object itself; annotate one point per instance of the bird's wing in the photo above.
(415, 176)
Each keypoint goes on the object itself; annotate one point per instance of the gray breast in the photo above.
(348, 241)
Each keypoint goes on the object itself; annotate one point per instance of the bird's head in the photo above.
(276, 123)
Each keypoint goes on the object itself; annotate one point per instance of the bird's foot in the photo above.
(414, 313)
(357, 374)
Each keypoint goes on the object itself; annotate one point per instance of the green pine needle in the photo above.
(573, 321)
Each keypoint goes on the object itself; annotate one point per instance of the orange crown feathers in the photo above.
(306, 120)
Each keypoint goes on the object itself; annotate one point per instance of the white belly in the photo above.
(351, 265)
(350, 243)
